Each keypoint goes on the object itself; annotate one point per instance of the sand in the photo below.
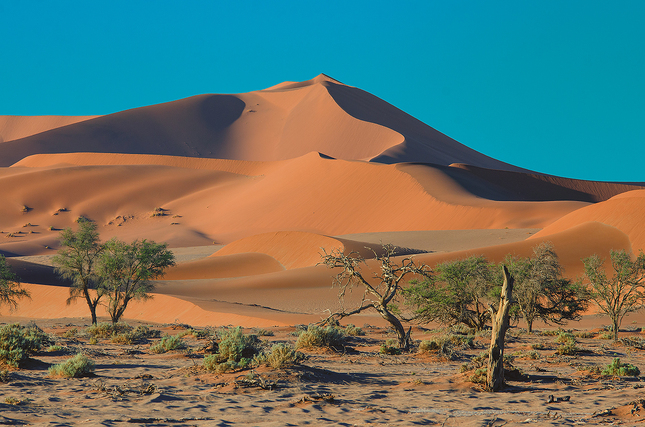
(248, 190)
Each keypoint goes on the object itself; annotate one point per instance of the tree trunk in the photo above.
(404, 339)
(616, 326)
(92, 307)
(495, 375)
(529, 324)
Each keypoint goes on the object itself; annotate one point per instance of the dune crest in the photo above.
(17, 127)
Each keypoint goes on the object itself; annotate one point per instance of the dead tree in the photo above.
(495, 374)
(381, 293)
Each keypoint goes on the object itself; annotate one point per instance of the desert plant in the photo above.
(139, 334)
(634, 342)
(235, 351)
(71, 333)
(459, 293)
(353, 331)
(10, 289)
(541, 292)
(76, 261)
(106, 329)
(283, 356)
(261, 332)
(448, 345)
(378, 294)
(17, 343)
(620, 294)
(617, 368)
(128, 271)
(316, 336)
(168, 343)
(75, 367)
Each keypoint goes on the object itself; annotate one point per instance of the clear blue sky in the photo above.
(553, 86)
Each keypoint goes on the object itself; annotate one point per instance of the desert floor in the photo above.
(355, 385)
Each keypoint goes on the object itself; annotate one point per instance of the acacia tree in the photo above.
(378, 294)
(128, 269)
(620, 294)
(76, 261)
(460, 292)
(10, 289)
(540, 290)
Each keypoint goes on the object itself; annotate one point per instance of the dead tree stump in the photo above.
(495, 374)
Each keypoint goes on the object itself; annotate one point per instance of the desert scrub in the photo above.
(353, 331)
(635, 342)
(200, 334)
(168, 343)
(261, 332)
(279, 357)
(585, 334)
(390, 346)
(567, 344)
(315, 336)
(140, 334)
(447, 345)
(74, 367)
(106, 329)
(621, 369)
(235, 351)
(71, 333)
(17, 343)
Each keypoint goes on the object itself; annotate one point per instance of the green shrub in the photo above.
(71, 333)
(168, 343)
(234, 351)
(391, 347)
(315, 336)
(54, 348)
(138, 335)
(621, 369)
(568, 348)
(75, 367)
(353, 331)
(585, 334)
(635, 342)
(200, 334)
(538, 346)
(606, 336)
(565, 337)
(106, 329)
(17, 343)
(280, 356)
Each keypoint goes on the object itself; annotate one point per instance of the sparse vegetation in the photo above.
(10, 289)
(280, 356)
(617, 368)
(459, 292)
(75, 367)
(128, 270)
(17, 343)
(620, 294)
(379, 294)
(168, 343)
(235, 351)
(316, 336)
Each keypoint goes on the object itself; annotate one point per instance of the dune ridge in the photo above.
(17, 127)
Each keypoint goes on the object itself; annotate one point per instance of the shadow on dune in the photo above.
(191, 127)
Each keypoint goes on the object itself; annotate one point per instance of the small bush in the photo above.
(5, 376)
(391, 347)
(568, 349)
(353, 331)
(17, 343)
(621, 369)
(538, 346)
(551, 332)
(282, 356)
(75, 367)
(71, 333)
(54, 348)
(260, 332)
(565, 337)
(138, 335)
(200, 334)
(635, 342)
(168, 343)
(106, 329)
(315, 336)
(606, 336)
(479, 376)
(447, 345)
(235, 351)
(585, 334)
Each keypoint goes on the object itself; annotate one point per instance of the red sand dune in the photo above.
(624, 212)
(17, 127)
(274, 124)
(246, 170)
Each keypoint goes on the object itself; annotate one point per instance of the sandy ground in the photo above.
(355, 386)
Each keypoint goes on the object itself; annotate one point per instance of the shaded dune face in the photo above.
(276, 177)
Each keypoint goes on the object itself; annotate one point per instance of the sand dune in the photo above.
(17, 127)
(278, 123)
(207, 201)
(624, 212)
